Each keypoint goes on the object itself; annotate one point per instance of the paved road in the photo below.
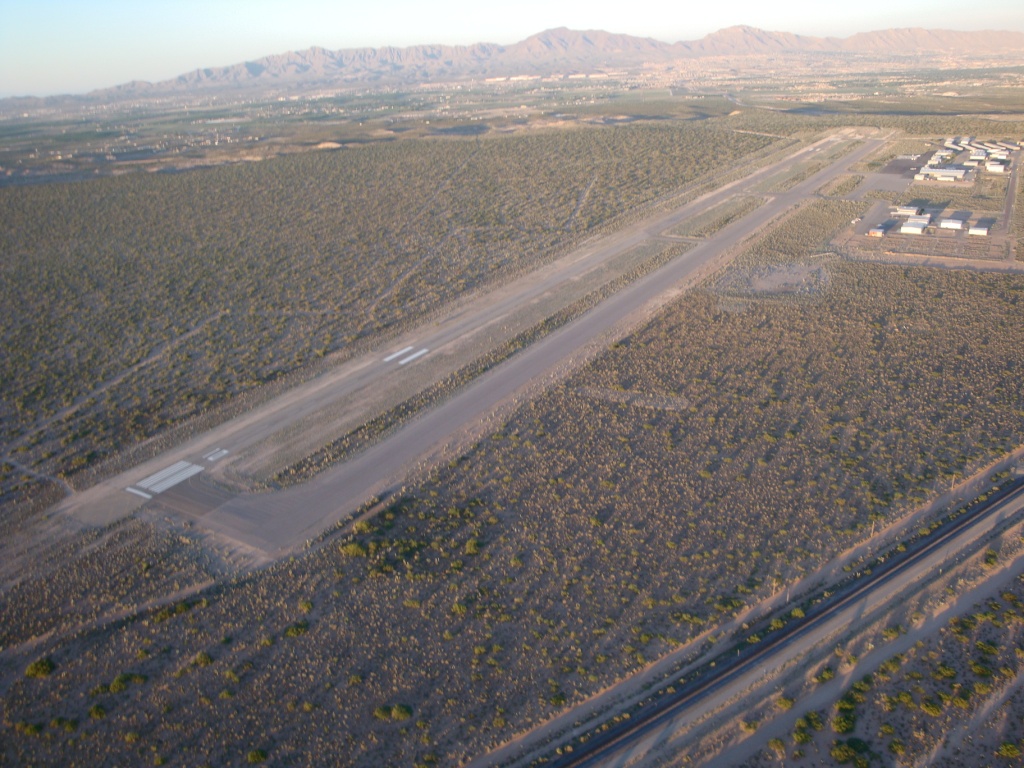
(279, 521)
(1011, 198)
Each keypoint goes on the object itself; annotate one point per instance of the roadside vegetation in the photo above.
(948, 699)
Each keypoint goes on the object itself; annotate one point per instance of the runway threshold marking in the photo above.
(412, 357)
(165, 478)
(399, 353)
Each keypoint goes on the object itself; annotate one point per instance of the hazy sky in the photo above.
(73, 46)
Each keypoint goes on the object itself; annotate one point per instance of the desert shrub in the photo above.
(843, 723)
(784, 704)
(28, 729)
(353, 549)
(1009, 750)
(40, 667)
(842, 752)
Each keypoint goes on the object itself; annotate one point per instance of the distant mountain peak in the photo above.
(560, 49)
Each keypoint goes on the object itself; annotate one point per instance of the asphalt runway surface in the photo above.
(280, 521)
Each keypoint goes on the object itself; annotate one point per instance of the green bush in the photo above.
(353, 549)
(842, 753)
(28, 729)
(843, 723)
(784, 704)
(40, 667)
(1008, 749)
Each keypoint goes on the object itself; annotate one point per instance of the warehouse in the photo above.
(941, 173)
(908, 210)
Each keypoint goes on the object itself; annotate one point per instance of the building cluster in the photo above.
(993, 156)
(916, 221)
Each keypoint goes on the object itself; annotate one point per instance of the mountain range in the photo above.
(553, 51)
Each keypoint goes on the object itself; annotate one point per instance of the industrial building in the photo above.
(876, 232)
(908, 210)
(951, 224)
(941, 173)
(912, 229)
(978, 230)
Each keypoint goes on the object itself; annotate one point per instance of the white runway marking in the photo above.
(168, 471)
(410, 358)
(139, 493)
(219, 453)
(169, 477)
(399, 353)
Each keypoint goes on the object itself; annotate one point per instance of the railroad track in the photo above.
(668, 705)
